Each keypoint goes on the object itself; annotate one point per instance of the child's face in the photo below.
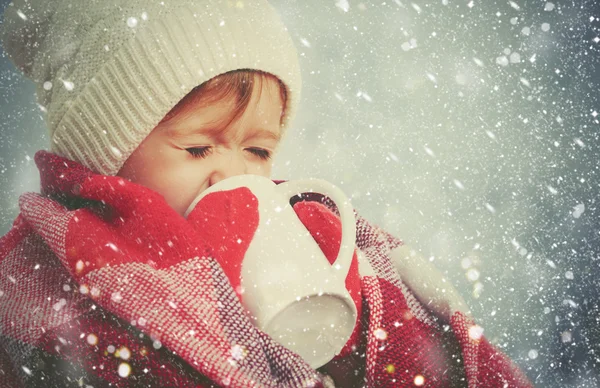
(184, 156)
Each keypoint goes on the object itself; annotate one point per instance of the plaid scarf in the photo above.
(101, 284)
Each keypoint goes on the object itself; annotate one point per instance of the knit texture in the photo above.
(108, 71)
(139, 311)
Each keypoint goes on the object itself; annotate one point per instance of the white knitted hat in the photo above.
(108, 71)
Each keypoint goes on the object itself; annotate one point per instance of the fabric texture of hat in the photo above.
(108, 71)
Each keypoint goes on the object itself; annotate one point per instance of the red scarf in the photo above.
(102, 281)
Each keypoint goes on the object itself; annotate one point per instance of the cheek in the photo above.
(183, 183)
(137, 168)
(178, 179)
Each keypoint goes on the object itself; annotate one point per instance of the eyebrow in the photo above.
(217, 132)
(263, 134)
(179, 133)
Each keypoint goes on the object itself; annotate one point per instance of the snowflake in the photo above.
(380, 334)
(124, 369)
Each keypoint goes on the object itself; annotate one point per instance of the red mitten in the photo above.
(227, 220)
(326, 228)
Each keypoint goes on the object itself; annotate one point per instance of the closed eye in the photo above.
(199, 152)
(260, 152)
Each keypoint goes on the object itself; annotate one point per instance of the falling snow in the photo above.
(68, 85)
(533, 354)
(578, 210)
(343, 5)
(116, 297)
(380, 334)
(469, 129)
(92, 339)
(475, 332)
(124, 370)
(132, 22)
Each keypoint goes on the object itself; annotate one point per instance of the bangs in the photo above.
(237, 85)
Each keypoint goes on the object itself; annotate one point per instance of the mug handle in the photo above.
(296, 187)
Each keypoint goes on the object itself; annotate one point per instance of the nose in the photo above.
(227, 165)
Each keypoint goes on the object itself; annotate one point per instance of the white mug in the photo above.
(290, 289)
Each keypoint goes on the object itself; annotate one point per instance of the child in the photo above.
(105, 283)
